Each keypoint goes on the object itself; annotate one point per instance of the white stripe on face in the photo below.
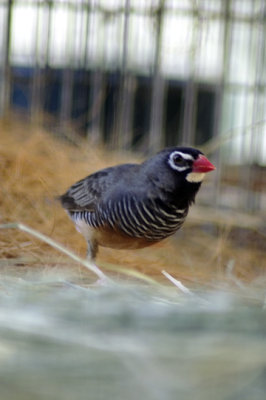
(184, 156)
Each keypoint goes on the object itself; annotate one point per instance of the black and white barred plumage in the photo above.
(144, 202)
(152, 220)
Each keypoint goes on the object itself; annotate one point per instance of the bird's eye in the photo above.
(179, 160)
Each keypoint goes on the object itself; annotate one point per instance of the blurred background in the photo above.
(87, 84)
(143, 74)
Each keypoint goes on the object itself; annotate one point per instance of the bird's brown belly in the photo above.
(107, 237)
(112, 237)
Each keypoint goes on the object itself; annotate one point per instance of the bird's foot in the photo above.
(104, 281)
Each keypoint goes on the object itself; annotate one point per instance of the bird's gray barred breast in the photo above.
(152, 219)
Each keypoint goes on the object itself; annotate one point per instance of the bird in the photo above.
(131, 206)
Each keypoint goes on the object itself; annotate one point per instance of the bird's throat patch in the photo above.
(195, 177)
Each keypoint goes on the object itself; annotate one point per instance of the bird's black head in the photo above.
(189, 163)
(178, 172)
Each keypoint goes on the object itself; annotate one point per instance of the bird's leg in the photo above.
(91, 255)
(92, 250)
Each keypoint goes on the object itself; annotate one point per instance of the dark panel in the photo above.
(110, 105)
(174, 110)
(81, 99)
(205, 115)
(21, 88)
(84, 112)
(52, 90)
(142, 109)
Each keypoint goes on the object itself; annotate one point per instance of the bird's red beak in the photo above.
(202, 164)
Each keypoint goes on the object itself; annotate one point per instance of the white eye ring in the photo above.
(184, 156)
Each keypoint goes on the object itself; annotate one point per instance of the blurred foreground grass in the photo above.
(61, 337)
(126, 342)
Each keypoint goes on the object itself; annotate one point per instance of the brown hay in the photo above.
(35, 167)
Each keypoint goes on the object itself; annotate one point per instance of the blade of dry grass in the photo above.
(131, 273)
(90, 266)
(177, 283)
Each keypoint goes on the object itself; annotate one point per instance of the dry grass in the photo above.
(35, 167)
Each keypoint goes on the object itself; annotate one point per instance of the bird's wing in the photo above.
(85, 194)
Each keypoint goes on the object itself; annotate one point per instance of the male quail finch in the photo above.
(131, 206)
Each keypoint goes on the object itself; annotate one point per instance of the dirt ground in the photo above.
(35, 167)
